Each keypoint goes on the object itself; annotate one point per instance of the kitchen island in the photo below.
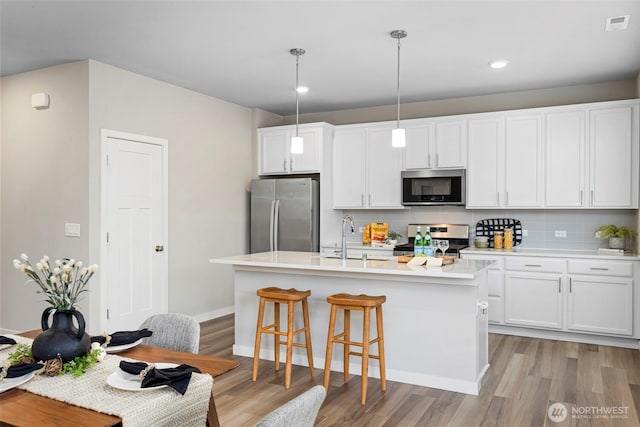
(435, 323)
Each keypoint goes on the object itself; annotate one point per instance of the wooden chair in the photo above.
(289, 297)
(364, 303)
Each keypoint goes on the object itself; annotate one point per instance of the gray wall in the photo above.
(51, 174)
(45, 180)
(578, 94)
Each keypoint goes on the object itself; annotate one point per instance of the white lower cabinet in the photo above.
(580, 295)
(533, 300)
(600, 304)
(600, 297)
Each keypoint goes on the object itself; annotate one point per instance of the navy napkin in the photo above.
(22, 369)
(123, 337)
(6, 340)
(177, 378)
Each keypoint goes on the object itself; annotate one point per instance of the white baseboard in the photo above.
(203, 317)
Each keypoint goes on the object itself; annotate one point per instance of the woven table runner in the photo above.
(162, 406)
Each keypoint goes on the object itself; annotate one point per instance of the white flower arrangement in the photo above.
(63, 284)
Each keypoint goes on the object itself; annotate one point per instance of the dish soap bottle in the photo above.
(418, 244)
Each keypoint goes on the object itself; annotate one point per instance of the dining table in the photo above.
(21, 408)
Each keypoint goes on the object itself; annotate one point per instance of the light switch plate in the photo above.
(71, 229)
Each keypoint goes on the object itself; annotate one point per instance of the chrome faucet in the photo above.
(344, 234)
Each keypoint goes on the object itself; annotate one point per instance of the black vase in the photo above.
(62, 338)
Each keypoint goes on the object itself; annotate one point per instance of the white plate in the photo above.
(124, 381)
(9, 383)
(123, 347)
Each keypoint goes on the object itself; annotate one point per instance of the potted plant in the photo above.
(392, 237)
(615, 234)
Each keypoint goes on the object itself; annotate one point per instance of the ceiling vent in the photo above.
(617, 23)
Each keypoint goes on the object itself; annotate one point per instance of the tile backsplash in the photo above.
(541, 225)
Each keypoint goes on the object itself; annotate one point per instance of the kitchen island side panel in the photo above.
(435, 336)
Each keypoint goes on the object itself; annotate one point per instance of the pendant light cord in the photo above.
(297, 110)
(398, 88)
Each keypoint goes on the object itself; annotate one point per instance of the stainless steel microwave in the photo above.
(434, 187)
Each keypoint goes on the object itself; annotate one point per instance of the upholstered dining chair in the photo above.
(174, 331)
(301, 411)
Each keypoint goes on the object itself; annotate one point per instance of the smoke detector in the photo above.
(617, 23)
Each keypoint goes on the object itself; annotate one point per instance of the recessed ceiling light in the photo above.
(302, 89)
(497, 64)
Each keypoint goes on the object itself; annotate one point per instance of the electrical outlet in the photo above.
(360, 229)
(525, 233)
(561, 233)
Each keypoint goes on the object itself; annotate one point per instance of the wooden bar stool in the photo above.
(362, 303)
(290, 297)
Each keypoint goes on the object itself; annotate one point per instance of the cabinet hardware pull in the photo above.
(429, 160)
(361, 199)
(533, 265)
(570, 285)
(291, 165)
(560, 285)
(369, 199)
(498, 198)
(437, 160)
(599, 268)
(581, 193)
(284, 165)
(591, 201)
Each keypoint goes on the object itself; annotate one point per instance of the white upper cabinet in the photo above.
(613, 163)
(450, 144)
(523, 161)
(274, 147)
(349, 147)
(505, 161)
(366, 168)
(565, 146)
(583, 156)
(485, 170)
(436, 144)
(594, 165)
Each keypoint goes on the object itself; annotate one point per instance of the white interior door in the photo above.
(136, 256)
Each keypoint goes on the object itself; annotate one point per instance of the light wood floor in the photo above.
(525, 377)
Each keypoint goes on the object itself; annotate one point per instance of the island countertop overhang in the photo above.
(314, 263)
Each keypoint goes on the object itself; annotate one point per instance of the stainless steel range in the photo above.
(456, 234)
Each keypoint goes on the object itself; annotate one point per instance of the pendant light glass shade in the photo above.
(397, 138)
(397, 135)
(297, 145)
(297, 142)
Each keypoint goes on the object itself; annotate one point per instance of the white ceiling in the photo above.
(239, 50)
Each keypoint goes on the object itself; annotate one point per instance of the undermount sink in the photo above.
(369, 257)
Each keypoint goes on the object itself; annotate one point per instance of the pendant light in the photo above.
(397, 135)
(297, 146)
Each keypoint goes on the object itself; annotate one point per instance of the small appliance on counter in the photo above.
(456, 234)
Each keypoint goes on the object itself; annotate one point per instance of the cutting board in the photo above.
(448, 259)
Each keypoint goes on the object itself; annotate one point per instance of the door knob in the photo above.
(159, 248)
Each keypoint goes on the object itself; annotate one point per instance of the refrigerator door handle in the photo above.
(273, 202)
(275, 224)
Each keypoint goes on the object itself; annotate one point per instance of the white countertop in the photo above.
(565, 253)
(463, 269)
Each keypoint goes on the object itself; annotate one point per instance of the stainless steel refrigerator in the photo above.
(285, 215)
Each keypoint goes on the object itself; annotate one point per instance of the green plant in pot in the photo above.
(392, 237)
(616, 235)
